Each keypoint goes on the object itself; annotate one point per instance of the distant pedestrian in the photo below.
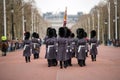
(4, 45)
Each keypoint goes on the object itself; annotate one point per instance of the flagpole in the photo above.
(65, 18)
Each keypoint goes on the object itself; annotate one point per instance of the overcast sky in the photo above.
(73, 6)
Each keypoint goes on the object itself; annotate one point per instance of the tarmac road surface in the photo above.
(107, 67)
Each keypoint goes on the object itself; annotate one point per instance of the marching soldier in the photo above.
(61, 54)
(50, 43)
(54, 61)
(73, 44)
(93, 45)
(36, 43)
(68, 48)
(87, 48)
(81, 43)
(27, 47)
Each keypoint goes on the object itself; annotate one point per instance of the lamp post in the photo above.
(98, 25)
(109, 34)
(93, 21)
(116, 34)
(105, 31)
(25, 24)
(12, 21)
(89, 26)
(4, 10)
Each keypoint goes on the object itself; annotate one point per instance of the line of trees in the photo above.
(14, 10)
(90, 21)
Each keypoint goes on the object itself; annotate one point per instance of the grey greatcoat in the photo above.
(61, 54)
(27, 48)
(68, 48)
(81, 47)
(93, 46)
(73, 46)
(36, 43)
(44, 42)
(50, 48)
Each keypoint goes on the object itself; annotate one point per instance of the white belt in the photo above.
(73, 42)
(34, 45)
(67, 49)
(68, 46)
(49, 46)
(92, 45)
(79, 48)
(25, 46)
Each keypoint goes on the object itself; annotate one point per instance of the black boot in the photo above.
(54, 62)
(26, 59)
(37, 55)
(49, 63)
(95, 58)
(65, 64)
(80, 63)
(84, 64)
(61, 65)
(86, 54)
(29, 58)
(92, 57)
(69, 62)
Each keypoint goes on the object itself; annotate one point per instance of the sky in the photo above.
(73, 6)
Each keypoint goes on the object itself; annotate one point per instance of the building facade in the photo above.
(56, 20)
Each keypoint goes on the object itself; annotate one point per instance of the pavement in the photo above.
(107, 67)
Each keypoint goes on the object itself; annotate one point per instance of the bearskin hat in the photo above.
(37, 35)
(62, 32)
(72, 35)
(27, 35)
(68, 32)
(85, 34)
(47, 33)
(34, 35)
(80, 33)
(50, 33)
(93, 33)
(54, 32)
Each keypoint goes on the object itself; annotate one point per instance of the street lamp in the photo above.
(12, 17)
(105, 31)
(4, 11)
(25, 24)
(109, 36)
(98, 25)
(116, 35)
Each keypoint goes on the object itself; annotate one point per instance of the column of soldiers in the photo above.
(64, 47)
(32, 45)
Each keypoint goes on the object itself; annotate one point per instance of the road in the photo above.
(107, 67)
